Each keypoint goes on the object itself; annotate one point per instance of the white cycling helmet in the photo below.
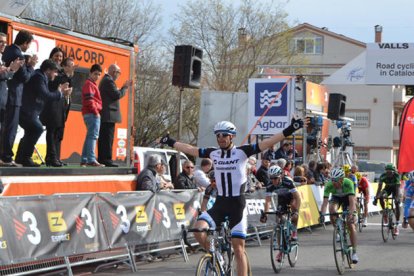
(275, 171)
(225, 127)
(337, 173)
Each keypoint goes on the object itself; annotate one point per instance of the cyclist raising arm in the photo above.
(230, 174)
(343, 194)
(391, 178)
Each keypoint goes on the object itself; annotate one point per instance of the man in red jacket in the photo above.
(91, 107)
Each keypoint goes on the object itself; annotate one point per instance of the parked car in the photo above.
(170, 156)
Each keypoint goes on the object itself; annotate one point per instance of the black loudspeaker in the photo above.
(336, 107)
(187, 66)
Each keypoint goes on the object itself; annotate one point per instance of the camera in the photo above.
(313, 138)
(344, 129)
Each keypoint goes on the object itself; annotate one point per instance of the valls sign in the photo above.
(270, 104)
(390, 63)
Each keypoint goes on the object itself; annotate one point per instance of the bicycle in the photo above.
(360, 211)
(281, 243)
(220, 257)
(341, 242)
(387, 221)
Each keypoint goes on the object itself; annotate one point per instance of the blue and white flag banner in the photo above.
(270, 104)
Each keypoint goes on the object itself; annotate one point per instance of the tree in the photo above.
(235, 39)
(135, 21)
(156, 102)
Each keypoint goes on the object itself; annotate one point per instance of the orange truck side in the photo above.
(86, 50)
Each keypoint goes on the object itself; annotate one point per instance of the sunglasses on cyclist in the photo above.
(219, 135)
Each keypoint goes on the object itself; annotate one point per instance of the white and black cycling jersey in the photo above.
(230, 167)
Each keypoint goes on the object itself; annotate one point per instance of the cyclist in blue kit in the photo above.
(230, 175)
(408, 198)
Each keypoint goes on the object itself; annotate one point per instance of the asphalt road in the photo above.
(315, 256)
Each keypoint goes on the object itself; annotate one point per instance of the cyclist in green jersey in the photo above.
(392, 179)
(342, 194)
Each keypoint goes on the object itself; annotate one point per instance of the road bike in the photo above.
(281, 243)
(342, 242)
(219, 261)
(360, 211)
(387, 222)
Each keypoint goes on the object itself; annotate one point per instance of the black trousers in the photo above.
(54, 137)
(11, 121)
(105, 142)
(33, 128)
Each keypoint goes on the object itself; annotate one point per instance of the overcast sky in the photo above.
(353, 18)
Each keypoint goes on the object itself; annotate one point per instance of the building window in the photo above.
(307, 45)
(362, 154)
(361, 118)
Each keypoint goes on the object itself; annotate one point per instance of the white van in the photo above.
(171, 157)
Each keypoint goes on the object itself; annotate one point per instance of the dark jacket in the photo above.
(36, 93)
(281, 153)
(147, 181)
(262, 175)
(110, 100)
(55, 113)
(185, 182)
(4, 77)
(22, 75)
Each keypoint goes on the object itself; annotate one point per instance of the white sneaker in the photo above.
(354, 258)
(364, 224)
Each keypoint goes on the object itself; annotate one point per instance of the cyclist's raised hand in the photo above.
(296, 123)
(167, 140)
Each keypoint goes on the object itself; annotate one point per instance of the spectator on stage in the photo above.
(91, 108)
(36, 93)
(55, 114)
(110, 113)
(6, 73)
(15, 85)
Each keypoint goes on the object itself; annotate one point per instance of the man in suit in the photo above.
(15, 85)
(36, 93)
(6, 73)
(110, 113)
(54, 114)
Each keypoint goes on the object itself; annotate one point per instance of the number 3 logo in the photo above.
(35, 237)
(90, 233)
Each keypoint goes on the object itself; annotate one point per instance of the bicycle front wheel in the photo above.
(392, 226)
(293, 250)
(205, 266)
(234, 265)
(276, 249)
(385, 229)
(348, 247)
(338, 248)
(293, 254)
